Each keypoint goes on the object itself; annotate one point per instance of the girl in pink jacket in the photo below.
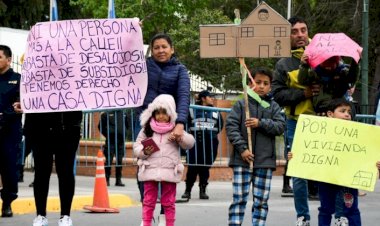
(163, 164)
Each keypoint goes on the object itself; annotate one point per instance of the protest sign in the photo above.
(89, 64)
(335, 151)
(326, 45)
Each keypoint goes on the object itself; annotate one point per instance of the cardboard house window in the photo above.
(217, 39)
(280, 32)
(247, 32)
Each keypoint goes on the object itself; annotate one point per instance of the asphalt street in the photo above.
(196, 212)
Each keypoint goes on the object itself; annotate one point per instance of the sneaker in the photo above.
(302, 222)
(65, 221)
(153, 221)
(40, 221)
(342, 221)
(287, 189)
(161, 220)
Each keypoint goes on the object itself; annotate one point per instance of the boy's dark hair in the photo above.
(7, 51)
(296, 19)
(261, 70)
(338, 102)
(161, 36)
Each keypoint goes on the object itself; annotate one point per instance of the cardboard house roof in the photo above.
(263, 34)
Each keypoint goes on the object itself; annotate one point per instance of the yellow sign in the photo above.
(336, 151)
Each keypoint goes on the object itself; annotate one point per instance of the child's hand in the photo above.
(252, 122)
(378, 165)
(312, 90)
(304, 59)
(290, 155)
(148, 150)
(247, 156)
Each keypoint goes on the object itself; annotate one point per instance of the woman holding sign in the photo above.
(54, 137)
(166, 75)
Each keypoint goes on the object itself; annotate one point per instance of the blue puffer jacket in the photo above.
(168, 78)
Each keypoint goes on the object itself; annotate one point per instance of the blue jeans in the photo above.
(328, 197)
(300, 189)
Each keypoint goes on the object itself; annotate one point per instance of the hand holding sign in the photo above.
(326, 45)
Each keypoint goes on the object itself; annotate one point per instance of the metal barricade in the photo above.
(92, 139)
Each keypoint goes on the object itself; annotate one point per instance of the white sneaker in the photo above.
(301, 222)
(142, 222)
(65, 221)
(40, 221)
(342, 221)
(161, 220)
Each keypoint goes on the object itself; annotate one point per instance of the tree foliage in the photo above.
(23, 14)
(181, 18)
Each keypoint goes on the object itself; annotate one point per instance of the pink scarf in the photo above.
(161, 127)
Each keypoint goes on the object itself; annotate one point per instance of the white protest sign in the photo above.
(84, 65)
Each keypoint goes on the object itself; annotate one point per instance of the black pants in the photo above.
(193, 171)
(109, 154)
(9, 141)
(58, 145)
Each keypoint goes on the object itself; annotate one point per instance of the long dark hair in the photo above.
(147, 128)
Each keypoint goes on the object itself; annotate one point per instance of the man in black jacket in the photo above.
(10, 130)
(205, 126)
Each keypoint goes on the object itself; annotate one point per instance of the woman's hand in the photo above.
(177, 132)
(17, 107)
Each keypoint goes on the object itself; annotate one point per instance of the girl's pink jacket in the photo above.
(165, 164)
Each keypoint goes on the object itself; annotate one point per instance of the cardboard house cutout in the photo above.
(263, 34)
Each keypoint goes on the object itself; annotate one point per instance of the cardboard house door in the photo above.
(263, 51)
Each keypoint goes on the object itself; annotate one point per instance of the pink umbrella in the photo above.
(326, 45)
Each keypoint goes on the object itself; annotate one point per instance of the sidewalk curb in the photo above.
(27, 205)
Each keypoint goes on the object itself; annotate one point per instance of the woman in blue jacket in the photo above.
(166, 75)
